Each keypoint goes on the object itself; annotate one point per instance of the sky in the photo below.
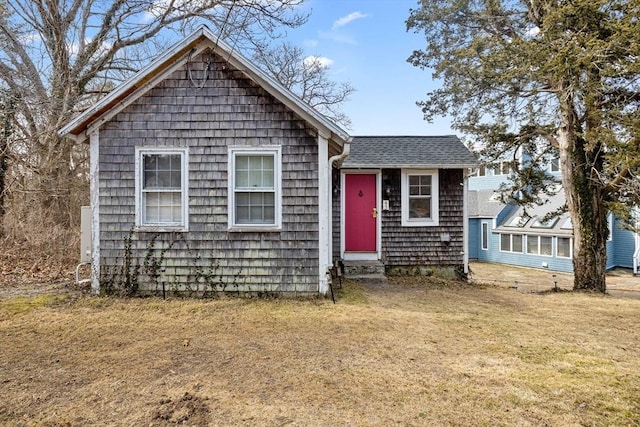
(366, 44)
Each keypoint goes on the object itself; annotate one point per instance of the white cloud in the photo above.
(317, 61)
(341, 22)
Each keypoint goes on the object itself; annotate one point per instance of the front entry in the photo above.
(360, 213)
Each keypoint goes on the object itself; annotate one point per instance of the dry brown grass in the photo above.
(408, 353)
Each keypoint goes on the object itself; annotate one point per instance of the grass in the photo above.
(409, 353)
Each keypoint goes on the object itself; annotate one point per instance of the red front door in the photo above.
(360, 216)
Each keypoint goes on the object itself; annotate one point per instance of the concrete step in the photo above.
(370, 270)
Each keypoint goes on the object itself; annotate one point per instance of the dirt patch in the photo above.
(188, 409)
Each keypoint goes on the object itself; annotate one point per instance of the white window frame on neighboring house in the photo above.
(570, 239)
(145, 190)
(538, 240)
(236, 224)
(434, 218)
(484, 236)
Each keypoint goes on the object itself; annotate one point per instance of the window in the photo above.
(485, 236)
(511, 243)
(554, 166)
(420, 198)
(564, 247)
(161, 188)
(254, 188)
(610, 224)
(539, 223)
(482, 170)
(517, 221)
(539, 245)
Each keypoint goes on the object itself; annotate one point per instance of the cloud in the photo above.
(341, 22)
(313, 61)
(310, 43)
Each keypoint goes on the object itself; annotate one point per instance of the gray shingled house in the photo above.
(208, 176)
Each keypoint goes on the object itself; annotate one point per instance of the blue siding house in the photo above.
(507, 234)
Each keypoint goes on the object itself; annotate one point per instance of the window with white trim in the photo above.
(161, 188)
(554, 165)
(420, 198)
(485, 236)
(511, 242)
(539, 245)
(254, 188)
(564, 247)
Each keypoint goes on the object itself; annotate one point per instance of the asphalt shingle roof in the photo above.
(443, 152)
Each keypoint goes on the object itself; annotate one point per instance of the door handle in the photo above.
(374, 213)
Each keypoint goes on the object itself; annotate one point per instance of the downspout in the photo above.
(346, 148)
(465, 222)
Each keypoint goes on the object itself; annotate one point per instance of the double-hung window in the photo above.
(420, 198)
(161, 188)
(254, 188)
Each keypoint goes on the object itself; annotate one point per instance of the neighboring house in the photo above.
(208, 176)
(512, 235)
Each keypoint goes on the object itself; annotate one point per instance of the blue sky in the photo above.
(368, 45)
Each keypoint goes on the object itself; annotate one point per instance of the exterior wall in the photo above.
(475, 230)
(229, 110)
(494, 254)
(422, 246)
(621, 247)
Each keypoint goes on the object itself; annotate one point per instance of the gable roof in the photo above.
(157, 70)
(483, 204)
(442, 152)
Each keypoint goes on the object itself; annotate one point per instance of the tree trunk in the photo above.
(584, 196)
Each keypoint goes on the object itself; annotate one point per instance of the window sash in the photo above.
(419, 206)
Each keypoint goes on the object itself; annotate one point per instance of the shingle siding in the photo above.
(228, 111)
(411, 246)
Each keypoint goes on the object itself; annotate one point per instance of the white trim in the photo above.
(570, 247)
(184, 156)
(276, 151)
(465, 222)
(324, 208)
(484, 224)
(522, 243)
(94, 189)
(435, 196)
(539, 237)
(361, 256)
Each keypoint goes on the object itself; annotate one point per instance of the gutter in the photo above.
(346, 149)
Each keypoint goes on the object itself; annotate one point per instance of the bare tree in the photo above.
(308, 77)
(60, 55)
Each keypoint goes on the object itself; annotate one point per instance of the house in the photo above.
(208, 176)
(510, 234)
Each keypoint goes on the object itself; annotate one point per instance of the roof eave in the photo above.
(409, 166)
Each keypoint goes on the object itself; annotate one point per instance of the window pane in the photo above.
(505, 242)
(162, 171)
(517, 243)
(162, 208)
(532, 245)
(419, 207)
(255, 208)
(545, 245)
(564, 247)
(255, 171)
(485, 236)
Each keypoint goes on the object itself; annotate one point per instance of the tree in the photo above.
(308, 78)
(61, 55)
(556, 77)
